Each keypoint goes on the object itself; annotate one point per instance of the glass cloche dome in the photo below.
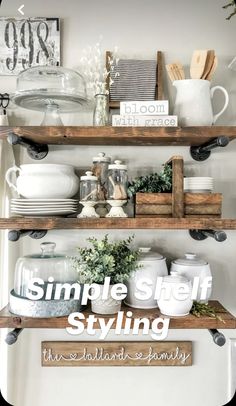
(43, 86)
(43, 265)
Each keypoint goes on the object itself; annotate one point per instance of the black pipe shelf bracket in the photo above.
(13, 335)
(218, 338)
(202, 152)
(35, 150)
(201, 235)
(15, 235)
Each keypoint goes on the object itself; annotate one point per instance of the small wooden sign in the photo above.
(81, 354)
(149, 108)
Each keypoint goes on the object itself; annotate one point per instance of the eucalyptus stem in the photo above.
(203, 309)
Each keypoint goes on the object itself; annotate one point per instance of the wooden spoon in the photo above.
(198, 63)
(209, 63)
(213, 69)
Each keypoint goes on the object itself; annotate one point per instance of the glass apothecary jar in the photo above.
(44, 265)
(100, 169)
(88, 195)
(88, 187)
(117, 181)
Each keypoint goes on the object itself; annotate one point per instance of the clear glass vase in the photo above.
(101, 111)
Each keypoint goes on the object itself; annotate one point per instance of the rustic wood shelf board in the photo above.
(8, 320)
(135, 136)
(140, 223)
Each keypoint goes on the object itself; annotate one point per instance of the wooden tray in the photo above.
(178, 204)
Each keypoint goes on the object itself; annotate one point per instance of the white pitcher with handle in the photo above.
(193, 104)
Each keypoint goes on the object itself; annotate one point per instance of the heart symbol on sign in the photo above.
(73, 357)
(139, 355)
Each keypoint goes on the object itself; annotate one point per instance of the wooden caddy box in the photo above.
(178, 204)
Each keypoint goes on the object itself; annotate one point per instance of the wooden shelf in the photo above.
(140, 223)
(8, 320)
(135, 136)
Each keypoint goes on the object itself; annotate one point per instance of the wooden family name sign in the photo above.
(82, 354)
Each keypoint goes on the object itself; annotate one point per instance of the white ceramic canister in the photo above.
(44, 181)
(105, 306)
(190, 267)
(169, 303)
(152, 265)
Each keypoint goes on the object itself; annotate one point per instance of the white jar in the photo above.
(105, 306)
(190, 267)
(171, 305)
(44, 181)
(152, 265)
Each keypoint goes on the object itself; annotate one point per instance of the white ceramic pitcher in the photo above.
(193, 104)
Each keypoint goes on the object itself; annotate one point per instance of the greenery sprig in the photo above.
(153, 183)
(203, 309)
(116, 260)
(231, 4)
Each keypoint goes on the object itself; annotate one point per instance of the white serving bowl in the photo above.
(44, 181)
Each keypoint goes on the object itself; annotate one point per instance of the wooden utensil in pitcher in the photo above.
(171, 72)
(179, 70)
(175, 71)
(213, 69)
(198, 63)
(209, 63)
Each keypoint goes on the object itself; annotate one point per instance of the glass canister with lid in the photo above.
(100, 170)
(117, 181)
(88, 187)
(150, 266)
(88, 195)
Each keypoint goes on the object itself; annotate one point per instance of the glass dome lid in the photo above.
(41, 86)
(44, 265)
(47, 252)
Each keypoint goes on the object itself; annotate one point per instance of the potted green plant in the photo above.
(116, 260)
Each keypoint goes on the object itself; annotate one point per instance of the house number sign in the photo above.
(81, 354)
(25, 43)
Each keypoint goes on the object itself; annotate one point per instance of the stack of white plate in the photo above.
(44, 207)
(198, 185)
